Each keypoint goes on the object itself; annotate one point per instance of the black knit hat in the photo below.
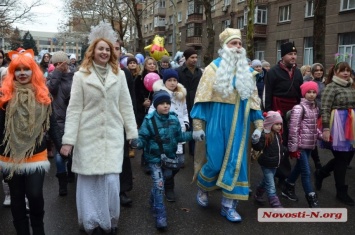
(189, 52)
(130, 59)
(160, 97)
(287, 47)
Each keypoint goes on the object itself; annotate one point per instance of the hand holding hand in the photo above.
(198, 135)
(255, 136)
(296, 154)
(134, 143)
(66, 150)
(326, 135)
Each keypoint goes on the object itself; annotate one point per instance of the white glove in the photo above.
(255, 136)
(198, 135)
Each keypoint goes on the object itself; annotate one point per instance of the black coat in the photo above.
(59, 85)
(272, 154)
(278, 83)
(190, 82)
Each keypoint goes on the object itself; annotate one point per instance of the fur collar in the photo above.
(179, 94)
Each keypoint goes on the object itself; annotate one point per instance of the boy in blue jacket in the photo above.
(170, 135)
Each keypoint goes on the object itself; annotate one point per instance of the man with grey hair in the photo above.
(225, 103)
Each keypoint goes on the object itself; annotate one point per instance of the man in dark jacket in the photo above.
(281, 92)
(59, 83)
(126, 178)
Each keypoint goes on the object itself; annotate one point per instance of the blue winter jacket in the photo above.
(170, 133)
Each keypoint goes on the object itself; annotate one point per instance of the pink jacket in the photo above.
(303, 131)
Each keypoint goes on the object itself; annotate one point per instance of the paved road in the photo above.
(61, 218)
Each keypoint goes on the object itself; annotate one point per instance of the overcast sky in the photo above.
(48, 16)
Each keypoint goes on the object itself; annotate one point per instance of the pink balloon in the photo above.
(149, 80)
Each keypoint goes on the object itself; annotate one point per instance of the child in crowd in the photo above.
(170, 135)
(303, 133)
(270, 142)
(177, 92)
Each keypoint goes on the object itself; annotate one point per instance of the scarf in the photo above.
(26, 122)
(101, 72)
(342, 82)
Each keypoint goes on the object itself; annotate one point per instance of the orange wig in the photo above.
(37, 80)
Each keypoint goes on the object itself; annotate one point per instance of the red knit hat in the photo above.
(307, 86)
(271, 118)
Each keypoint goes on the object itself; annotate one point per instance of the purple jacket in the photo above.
(303, 132)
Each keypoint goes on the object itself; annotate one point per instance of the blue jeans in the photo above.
(268, 182)
(61, 163)
(302, 168)
(159, 175)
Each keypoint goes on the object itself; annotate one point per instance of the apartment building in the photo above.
(275, 22)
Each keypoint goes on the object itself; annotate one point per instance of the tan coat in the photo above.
(96, 118)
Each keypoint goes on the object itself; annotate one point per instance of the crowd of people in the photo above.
(96, 112)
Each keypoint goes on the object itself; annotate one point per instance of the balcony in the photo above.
(194, 41)
(160, 11)
(159, 30)
(194, 18)
(259, 31)
(261, 2)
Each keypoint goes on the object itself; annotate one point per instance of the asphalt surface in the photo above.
(184, 215)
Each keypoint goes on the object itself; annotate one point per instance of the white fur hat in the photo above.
(72, 56)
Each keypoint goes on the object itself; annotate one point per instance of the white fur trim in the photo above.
(26, 168)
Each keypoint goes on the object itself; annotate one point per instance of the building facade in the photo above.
(275, 22)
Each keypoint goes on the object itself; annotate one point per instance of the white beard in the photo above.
(234, 63)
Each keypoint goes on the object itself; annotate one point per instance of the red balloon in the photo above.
(149, 80)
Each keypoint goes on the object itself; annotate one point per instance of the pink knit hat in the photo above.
(307, 86)
(271, 118)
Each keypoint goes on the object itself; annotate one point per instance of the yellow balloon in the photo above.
(156, 49)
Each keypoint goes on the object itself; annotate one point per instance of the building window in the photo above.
(151, 11)
(285, 13)
(225, 24)
(145, 28)
(347, 5)
(346, 48)
(260, 15)
(278, 49)
(151, 26)
(160, 4)
(194, 30)
(213, 5)
(259, 55)
(246, 16)
(159, 22)
(241, 0)
(179, 16)
(240, 22)
(308, 51)
(171, 19)
(309, 9)
(194, 8)
(170, 38)
(227, 2)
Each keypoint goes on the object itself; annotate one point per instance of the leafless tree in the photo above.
(319, 20)
(16, 11)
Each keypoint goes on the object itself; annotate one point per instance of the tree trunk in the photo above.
(250, 29)
(319, 19)
(208, 56)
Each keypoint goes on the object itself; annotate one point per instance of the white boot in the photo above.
(7, 201)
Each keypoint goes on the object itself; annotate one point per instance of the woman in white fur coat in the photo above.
(177, 91)
(100, 109)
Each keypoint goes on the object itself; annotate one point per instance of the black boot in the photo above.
(125, 200)
(288, 191)
(63, 182)
(319, 175)
(169, 189)
(71, 175)
(37, 225)
(342, 195)
(312, 200)
(22, 227)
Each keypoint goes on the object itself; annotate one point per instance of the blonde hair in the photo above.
(90, 53)
(304, 69)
